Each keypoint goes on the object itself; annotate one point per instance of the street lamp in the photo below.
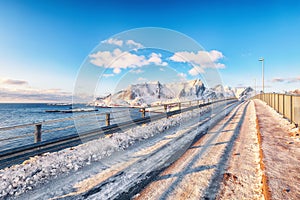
(263, 79)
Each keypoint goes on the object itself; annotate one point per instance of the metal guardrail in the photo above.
(19, 154)
(104, 118)
(287, 105)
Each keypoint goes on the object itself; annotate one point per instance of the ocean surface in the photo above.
(12, 114)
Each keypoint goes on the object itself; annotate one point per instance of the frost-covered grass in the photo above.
(20, 178)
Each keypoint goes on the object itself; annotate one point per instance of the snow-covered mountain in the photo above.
(153, 93)
(246, 94)
(295, 92)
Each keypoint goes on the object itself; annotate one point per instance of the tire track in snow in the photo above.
(131, 179)
(194, 169)
(243, 176)
(214, 185)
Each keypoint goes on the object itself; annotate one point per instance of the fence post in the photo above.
(283, 105)
(278, 103)
(179, 106)
(143, 112)
(274, 103)
(38, 133)
(107, 119)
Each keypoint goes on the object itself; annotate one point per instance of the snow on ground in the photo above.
(243, 176)
(123, 169)
(196, 174)
(223, 164)
(157, 160)
(31, 173)
(281, 152)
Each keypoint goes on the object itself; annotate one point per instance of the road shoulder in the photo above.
(281, 153)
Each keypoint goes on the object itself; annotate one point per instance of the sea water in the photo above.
(12, 114)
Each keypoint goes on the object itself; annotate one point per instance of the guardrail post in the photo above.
(38, 133)
(179, 106)
(143, 112)
(107, 119)
(198, 102)
(165, 108)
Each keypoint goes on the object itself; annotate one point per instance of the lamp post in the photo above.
(263, 78)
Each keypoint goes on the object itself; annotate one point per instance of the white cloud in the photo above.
(156, 59)
(137, 71)
(287, 79)
(118, 60)
(14, 90)
(107, 75)
(141, 79)
(34, 95)
(200, 60)
(13, 82)
(113, 41)
(117, 70)
(133, 43)
(118, 42)
(182, 76)
(196, 70)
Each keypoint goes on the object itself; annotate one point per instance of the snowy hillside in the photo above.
(151, 93)
(295, 92)
(247, 93)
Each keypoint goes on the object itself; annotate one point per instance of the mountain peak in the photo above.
(154, 92)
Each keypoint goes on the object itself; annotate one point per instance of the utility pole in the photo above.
(263, 78)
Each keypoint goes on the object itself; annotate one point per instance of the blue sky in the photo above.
(43, 43)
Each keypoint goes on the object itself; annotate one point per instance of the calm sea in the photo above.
(12, 114)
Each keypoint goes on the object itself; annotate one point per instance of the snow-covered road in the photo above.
(63, 172)
(198, 173)
(242, 178)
